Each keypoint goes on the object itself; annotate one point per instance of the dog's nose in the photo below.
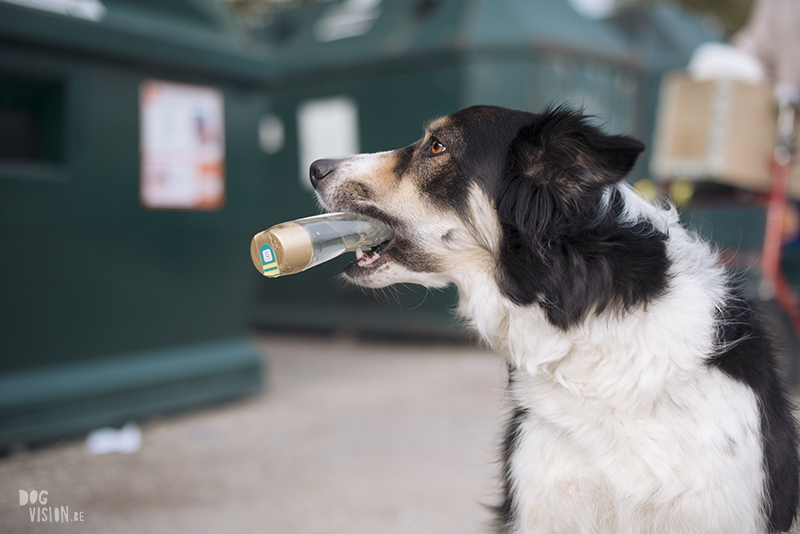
(320, 169)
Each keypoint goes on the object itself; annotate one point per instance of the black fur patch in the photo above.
(747, 355)
(562, 150)
(413, 257)
(404, 157)
(505, 511)
(361, 191)
(484, 135)
(560, 248)
(446, 187)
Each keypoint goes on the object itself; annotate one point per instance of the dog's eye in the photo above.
(437, 147)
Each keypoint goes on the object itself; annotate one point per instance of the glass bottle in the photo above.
(295, 246)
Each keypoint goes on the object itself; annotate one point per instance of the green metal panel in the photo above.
(502, 82)
(43, 403)
(90, 280)
(544, 25)
(184, 35)
(99, 270)
(728, 227)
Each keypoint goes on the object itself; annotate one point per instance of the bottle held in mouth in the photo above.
(294, 246)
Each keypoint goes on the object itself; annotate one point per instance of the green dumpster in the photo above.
(131, 181)
(371, 73)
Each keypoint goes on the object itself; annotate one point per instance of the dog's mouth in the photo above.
(368, 260)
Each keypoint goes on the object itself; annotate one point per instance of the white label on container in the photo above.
(327, 128)
(93, 10)
(182, 146)
(271, 134)
(350, 18)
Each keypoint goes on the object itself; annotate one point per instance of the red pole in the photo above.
(774, 283)
(776, 212)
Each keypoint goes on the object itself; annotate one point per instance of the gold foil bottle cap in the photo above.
(282, 249)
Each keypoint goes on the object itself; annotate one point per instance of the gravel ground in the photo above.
(348, 437)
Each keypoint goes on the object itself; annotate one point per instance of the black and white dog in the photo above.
(645, 395)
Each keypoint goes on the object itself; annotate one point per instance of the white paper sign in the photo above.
(182, 146)
(327, 128)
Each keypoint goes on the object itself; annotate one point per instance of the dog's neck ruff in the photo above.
(668, 338)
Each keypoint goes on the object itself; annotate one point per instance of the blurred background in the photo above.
(144, 142)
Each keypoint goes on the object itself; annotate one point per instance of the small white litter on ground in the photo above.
(126, 440)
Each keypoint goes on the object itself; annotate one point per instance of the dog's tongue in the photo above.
(368, 258)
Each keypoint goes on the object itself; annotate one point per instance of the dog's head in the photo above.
(524, 197)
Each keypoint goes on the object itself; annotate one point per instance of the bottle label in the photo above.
(269, 264)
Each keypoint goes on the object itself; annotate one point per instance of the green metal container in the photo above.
(113, 308)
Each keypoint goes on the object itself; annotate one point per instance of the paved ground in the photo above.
(349, 437)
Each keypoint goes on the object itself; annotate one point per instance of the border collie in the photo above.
(644, 391)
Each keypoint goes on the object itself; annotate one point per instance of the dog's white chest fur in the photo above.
(625, 427)
(661, 470)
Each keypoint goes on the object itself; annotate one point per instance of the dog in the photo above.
(643, 386)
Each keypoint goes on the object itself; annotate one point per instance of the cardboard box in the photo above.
(720, 130)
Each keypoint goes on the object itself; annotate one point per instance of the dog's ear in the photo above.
(563, 151)
(561, 245)
(556, 169)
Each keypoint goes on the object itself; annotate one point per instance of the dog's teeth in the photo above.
(359, 253)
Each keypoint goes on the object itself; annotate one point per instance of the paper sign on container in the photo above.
(182, 146)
